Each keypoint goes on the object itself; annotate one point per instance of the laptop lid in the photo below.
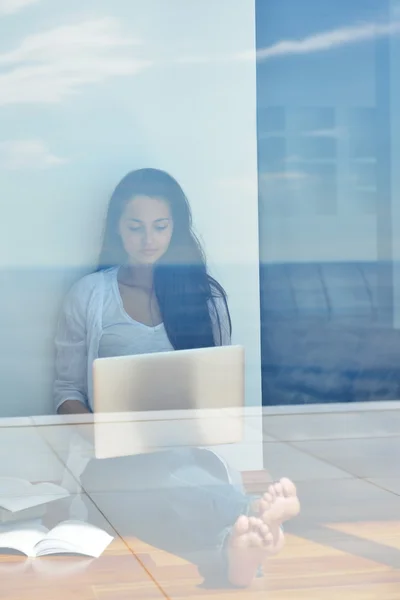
(152, 402)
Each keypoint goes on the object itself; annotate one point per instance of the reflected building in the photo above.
(326, 128)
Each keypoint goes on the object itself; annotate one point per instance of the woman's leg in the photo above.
(180, 501)
(232, 531)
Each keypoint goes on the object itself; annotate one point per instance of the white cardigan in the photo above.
(80, 329)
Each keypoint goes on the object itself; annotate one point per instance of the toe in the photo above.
(289, 489)
(265, 503)
(242, 525)
(268, 498)
(253, 522)
(265, 531)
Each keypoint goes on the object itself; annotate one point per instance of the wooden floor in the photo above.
(345, 545)
(306, 569)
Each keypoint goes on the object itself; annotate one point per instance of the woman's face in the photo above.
(146, 228)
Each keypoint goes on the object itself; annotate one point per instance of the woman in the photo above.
(152, 293)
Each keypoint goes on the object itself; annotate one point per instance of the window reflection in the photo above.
(326, 128)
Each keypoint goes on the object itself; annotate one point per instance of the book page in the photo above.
(22, 537)
(18, 494)
(75, 536)
(12, 486)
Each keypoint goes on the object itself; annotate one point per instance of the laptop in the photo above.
(152, 402)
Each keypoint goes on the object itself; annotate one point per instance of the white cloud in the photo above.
(337, 133)
(50, 66)
(27, 154)
(284, 176)
(328, 40)
(9, 7)
(317, 42)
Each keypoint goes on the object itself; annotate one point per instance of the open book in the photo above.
(68, 537)
(19, 494)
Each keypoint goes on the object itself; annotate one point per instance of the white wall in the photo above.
(122, 85)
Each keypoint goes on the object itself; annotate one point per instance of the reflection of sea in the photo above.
(327, 333)
(326, 329)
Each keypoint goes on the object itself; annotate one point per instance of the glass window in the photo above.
(328, 134)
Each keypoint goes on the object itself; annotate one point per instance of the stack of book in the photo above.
(20, 500)
(22, 506)
(69, 537)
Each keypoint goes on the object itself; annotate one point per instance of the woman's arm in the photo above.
(75, 407)
(70, 384)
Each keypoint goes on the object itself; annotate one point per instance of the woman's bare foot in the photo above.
(276, 506)
(249, 544)
(255, 538)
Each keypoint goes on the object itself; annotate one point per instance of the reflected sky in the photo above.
(321, 105)
(323, 124)
(89, 92)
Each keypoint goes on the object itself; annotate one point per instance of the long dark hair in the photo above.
(185, 292)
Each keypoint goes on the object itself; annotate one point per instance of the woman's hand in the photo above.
(75, 407)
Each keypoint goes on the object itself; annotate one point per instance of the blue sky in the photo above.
(88, 93)
(60, 68)
(321, 170)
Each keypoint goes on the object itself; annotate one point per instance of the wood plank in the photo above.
(386, 533)
(256, 482)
